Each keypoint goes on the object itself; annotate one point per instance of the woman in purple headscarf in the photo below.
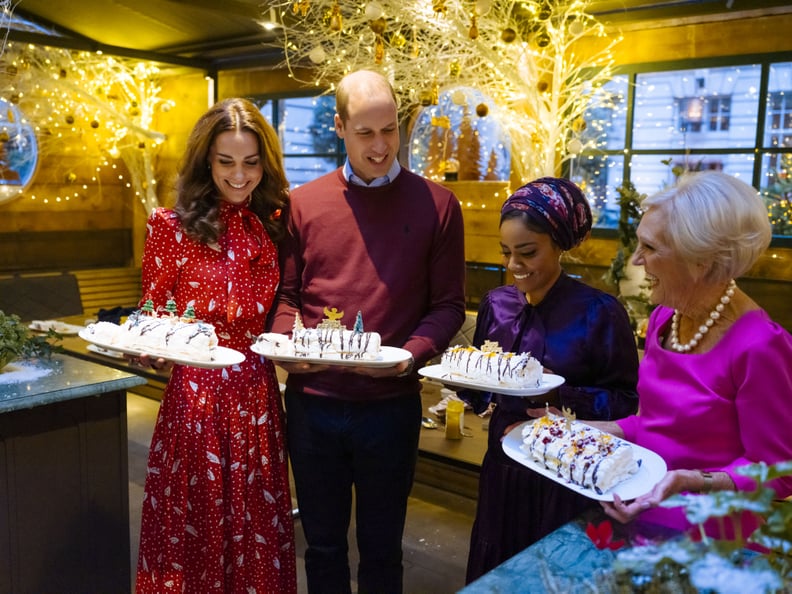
(574, 330)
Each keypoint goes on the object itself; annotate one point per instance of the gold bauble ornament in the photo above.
(69, 119)
(473, 33)
(542, 40)
(579, 124)
(542, 86)
(508, 35)
(94, 124)
(378, 25)
(398, 40)
(336, 20)
(14, 98)
(482, 109)
(454, 68)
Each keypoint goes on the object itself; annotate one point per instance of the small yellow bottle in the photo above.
(454, 419)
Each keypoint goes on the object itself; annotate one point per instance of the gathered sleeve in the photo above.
(604, 388)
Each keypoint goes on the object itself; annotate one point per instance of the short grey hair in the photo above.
(715, 221)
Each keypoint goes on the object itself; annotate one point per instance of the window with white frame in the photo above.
(734, 117)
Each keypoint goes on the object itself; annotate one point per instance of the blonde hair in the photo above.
(716, 221)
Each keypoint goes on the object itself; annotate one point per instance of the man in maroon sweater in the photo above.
(376, 238)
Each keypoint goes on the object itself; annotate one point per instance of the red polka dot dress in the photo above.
(216, 511)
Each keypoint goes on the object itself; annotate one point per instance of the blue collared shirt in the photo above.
(352, 178)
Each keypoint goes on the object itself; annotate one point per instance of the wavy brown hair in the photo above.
(197, 197)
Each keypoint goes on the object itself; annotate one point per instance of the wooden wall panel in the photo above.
(23, 251)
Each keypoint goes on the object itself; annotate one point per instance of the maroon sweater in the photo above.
(394, 252)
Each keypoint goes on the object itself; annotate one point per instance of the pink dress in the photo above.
(718, 410)
(216, 511)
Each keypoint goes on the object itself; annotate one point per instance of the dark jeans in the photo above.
(335, 444)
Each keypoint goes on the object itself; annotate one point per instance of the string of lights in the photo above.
(90, 109)
(520, 53)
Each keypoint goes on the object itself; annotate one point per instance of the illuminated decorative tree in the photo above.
(522, 53)
(88, 107)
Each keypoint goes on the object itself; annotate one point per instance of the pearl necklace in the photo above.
(713, 317)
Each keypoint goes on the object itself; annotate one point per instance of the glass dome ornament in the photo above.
(18, 152)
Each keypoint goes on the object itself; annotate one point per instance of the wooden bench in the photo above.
(106, 288)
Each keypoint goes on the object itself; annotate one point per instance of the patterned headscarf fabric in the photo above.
(555, 205)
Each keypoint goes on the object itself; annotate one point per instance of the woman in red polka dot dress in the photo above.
(217, 507)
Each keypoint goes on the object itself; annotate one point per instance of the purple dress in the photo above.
(582, 334)
(718, 410)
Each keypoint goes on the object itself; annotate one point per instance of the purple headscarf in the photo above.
(556, 206)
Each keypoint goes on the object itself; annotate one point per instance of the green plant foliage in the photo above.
(778, 198)
(701, 560)
(18, 342)
(637, 305)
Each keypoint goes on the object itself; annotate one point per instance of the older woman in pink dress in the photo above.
(715, 384)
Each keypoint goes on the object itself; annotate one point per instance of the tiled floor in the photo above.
(435, 539)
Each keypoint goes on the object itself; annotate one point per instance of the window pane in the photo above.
(776, 189)
(265, 107)
(300, 170)
(671, 108)
(778, 123)
(599, 176)
(307, 134)
(651, 174)
(306, 125)
(606, 124)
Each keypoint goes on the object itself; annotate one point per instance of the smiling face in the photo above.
(370, 132)
(532, 258)
(236, 165)
(669, 278)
